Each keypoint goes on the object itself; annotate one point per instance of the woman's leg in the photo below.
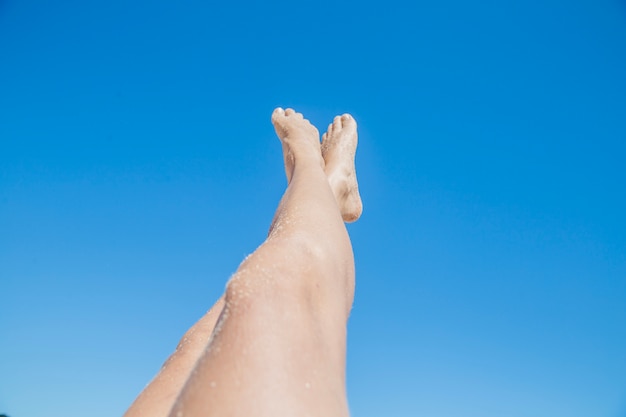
(279, 344)
(157, 399)
(338, 147)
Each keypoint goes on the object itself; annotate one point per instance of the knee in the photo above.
(296, 269)
(304, 253)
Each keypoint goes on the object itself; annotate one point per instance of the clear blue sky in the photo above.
(138, 166)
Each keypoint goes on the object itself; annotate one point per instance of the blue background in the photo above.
(138, 166)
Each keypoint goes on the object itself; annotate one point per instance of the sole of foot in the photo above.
(338, 150)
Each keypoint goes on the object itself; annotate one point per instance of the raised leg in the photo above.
(338, 149)
(279, 345)
(157, 398)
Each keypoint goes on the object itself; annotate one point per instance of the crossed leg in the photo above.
(279, 343)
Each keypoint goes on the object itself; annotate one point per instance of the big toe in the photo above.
(348, 121)
(277, 114)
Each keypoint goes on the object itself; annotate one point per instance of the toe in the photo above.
(348, 120)
(278, 112)
(289, 112)
(337, 122)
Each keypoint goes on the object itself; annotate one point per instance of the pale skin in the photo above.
(275, 343)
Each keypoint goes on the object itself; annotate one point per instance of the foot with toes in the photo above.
(338, 150)
(300, 140)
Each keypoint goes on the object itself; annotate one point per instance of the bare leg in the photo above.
(338, 149)
(279, 345)
(157, 399)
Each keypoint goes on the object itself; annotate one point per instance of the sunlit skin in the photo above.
(275, 343)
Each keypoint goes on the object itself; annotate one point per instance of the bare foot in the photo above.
(338, 149)
(299, 137)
